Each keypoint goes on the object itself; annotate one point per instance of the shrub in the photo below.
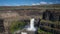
(16, 25)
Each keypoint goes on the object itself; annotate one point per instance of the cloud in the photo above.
(36, 4)
(40, 3)
(50, 3)
(43, 3)
(16, 4)
(13, 4)
(6, 4)
(46, 2)
(33, 4)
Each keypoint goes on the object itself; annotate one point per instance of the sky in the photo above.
(27, 2)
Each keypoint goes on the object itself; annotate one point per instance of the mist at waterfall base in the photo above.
(31, 26)
(28, 29)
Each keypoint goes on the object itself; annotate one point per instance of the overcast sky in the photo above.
(27, 2)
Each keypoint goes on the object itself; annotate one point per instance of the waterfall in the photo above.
(31, 28)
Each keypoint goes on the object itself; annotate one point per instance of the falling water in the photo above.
(31, 28)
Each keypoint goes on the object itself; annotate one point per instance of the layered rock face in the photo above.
(53, 15)
(9, 14)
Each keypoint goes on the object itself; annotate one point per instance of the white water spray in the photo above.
(31, 28)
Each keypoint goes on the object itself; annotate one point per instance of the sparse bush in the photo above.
(43, 32)
(16, 25)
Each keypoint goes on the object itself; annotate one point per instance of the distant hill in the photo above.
(50, 6)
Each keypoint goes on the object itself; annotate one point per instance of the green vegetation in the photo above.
(41, 16)
(17, 25)
(43, 32)
(51, 25)
(52, 22)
